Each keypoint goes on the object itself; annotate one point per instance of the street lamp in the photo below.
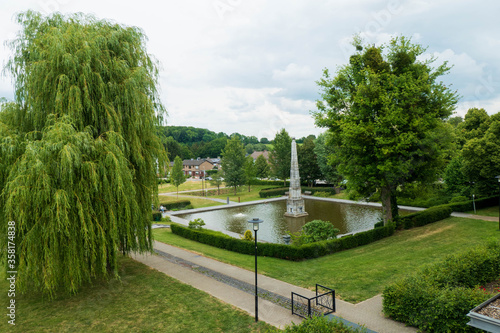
(498, 177)
(255, 222)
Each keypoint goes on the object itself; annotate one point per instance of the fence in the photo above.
(321, 304)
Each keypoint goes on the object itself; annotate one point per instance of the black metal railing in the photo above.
(321, 304)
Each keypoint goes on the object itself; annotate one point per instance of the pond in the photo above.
(346, 217)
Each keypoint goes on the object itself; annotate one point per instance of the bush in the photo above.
(424, 217)
(459, 198)
(196, 224)
(437, 297)
(248, 235)
(320, 324)
(176, 204)
(156, 216)
(318, 230)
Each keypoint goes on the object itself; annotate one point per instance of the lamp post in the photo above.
(255, 222)
(498, 177)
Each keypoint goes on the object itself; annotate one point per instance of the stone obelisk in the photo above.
(295, 204)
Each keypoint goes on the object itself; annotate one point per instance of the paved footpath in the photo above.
(236, 286)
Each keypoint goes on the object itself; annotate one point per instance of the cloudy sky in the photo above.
(250, 66)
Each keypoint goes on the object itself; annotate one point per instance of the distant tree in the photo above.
(233, 163)
(264, 141)
(250, 171)
(380, 109)
(476, 123)
(261, 167)
(217, 180)
(177, 176)
(280, 155)
(249, 148)
(308, 164)
(79, 150)
(481, 157)
(455, 121)
(325, 156)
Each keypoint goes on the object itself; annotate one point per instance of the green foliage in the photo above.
(308, 164)
(273, 192)
(280, 155)
(262, 167)
(156, 216)
(233, 163)
(266, 193)
(481, 154)
(318, 230)
(424, 217)
(196, 224)
(289, 252)
(250, 171)
(385, 114)
(176, 204)
(454, 178)
(320, 324)
(78, 149)
(248, 235)
(177, 176)
(325, 156)
(437, 297)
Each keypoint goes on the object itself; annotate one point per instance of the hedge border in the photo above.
(281, 251)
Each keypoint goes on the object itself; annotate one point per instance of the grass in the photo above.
(490, 211)
(243, 193)
(190, 185)
(143, 300)
(195, 202)
(360, 273)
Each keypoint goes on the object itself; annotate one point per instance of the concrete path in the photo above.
(235, 286)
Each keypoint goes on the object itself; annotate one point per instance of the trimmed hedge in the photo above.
(424, 217)
(176, 204)
(469, 206)
(265, 193)
(438, 297)
(289, 252)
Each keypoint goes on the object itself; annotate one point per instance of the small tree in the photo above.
(261, 167)
(250, 171)
(217, 180)
(308, 164)
(233, 162)
(177, 177)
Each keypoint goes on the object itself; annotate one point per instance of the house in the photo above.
(256, 154)
(196, 168)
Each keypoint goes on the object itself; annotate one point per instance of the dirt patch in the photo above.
(433, 232)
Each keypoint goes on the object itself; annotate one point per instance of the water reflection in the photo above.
(346, 217)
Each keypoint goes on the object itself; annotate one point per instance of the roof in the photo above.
(256, 154)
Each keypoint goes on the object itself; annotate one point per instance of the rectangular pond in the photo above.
(348, 217)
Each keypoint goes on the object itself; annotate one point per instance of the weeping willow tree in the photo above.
(78, 149)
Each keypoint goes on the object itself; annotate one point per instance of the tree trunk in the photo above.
(235, 190)
(385, 196)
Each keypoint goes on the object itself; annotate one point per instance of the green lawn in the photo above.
(243, 193)
(490, 211)
(189, 185)
(360, 273)
(144, 300)
(195, 202)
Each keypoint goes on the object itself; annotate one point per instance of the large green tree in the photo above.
(381, 109)
(78, 149)
(308, 163)
(233, 163)
(261, 166)
(281, 154)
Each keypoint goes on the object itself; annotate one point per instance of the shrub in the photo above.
(424, 217)
(156, 216)
(196, 224)
(437, 297)
(248, 235)
(320, 324)
(176, 204)
(318, 230)
(459, 198)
